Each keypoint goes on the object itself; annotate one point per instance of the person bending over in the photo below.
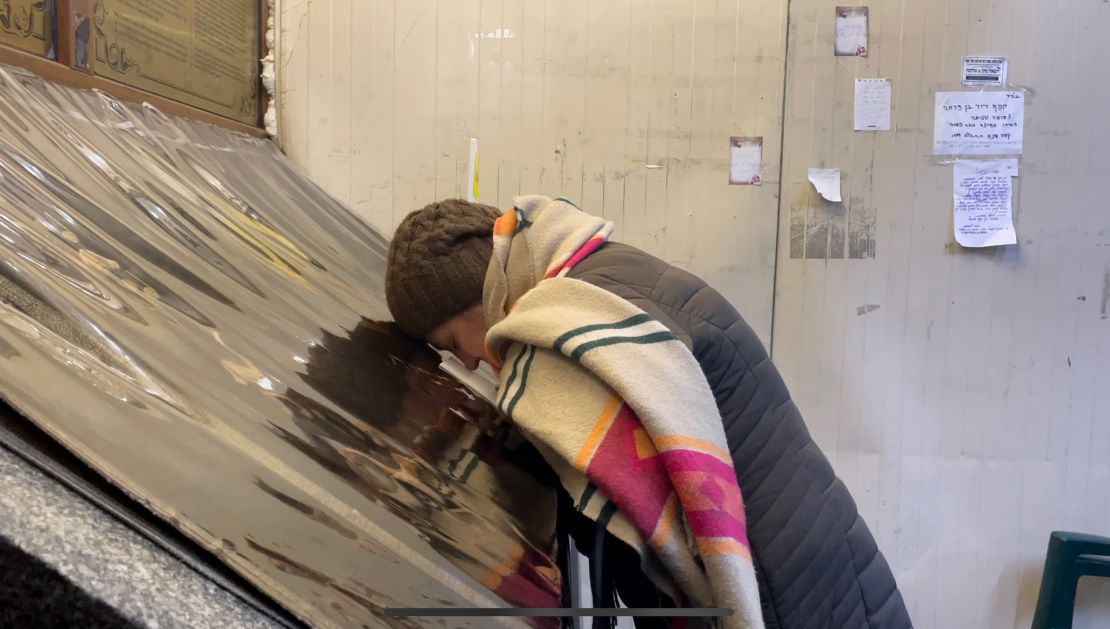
(686, 464)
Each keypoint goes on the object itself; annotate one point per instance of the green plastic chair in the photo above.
(1070, 556)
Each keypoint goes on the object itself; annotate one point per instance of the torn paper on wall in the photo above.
(851, 32)
(745, 163)
(983, 202)
(827, 183)
(979, 123)
(873, 104)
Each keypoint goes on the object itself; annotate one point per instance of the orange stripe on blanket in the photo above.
(667, 520)
(601, 426)
(675, 442)
(718, 546)
(506, 225)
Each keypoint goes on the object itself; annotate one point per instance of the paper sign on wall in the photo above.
(851, 32)
(745, 163)
(827, 183)
(985, 71)
(982, 195)
(872, 104)
(979, 123)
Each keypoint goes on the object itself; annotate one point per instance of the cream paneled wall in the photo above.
(964, 396)
(624, 106)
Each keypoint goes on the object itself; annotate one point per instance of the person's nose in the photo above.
(469, 361)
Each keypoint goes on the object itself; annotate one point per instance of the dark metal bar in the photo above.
(524, 612)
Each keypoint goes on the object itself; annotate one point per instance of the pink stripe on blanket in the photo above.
(681, 460)
(627, 468)
(709, 494)
(581, 254)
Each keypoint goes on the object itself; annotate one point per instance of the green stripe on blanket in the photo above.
(607, 513)
(647, 339)
(586, 495)
(523, 380)
(620, 325)
(511, 380)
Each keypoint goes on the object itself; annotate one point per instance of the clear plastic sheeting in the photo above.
(203, 326)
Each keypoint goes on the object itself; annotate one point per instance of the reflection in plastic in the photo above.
(200, 323)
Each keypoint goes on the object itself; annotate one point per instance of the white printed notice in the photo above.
(979, 123)
(827, 183)
(745, 161)
(983, 192)
(985, 71)
(851, 32)
(872, 104)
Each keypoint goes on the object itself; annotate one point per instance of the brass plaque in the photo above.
(23, 25)
(200, 52)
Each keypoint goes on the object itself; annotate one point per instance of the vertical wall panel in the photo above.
(624, 107)
(419, 93)
(955, 390)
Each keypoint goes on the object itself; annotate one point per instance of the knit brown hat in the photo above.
(437, 263)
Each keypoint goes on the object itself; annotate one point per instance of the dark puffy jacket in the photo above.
(816, 561)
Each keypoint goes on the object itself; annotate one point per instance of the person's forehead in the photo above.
(442, 332)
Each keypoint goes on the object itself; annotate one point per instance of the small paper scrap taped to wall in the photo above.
(745, 163)
(851, 32)
(985, 71)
